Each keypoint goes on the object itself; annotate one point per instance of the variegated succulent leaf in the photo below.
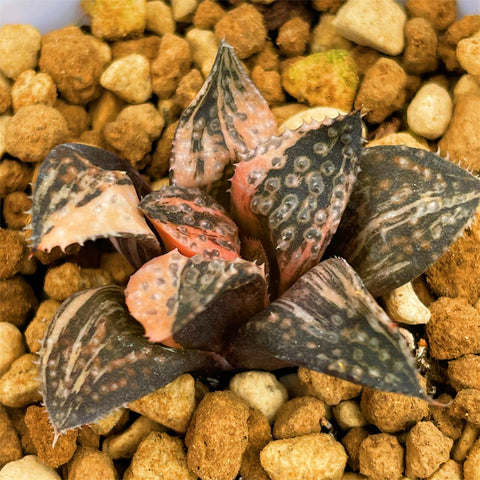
(195, 302)
(406, 209)
(95, 359)
(77, 198)
(291, 191)
(188, 219)
(328, 322)
(227, 117)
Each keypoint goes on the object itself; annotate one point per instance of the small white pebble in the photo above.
(11, 345)
(349, 415)
(430, 111)
(28, 468)
(378, 24)
(261, 390)
(183, 10)
(159, 18)
(204, 48)
(129, 78)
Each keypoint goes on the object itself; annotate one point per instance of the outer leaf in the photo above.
(228, 116)
(190, 220)
(330, 323)
(407, 207)
(196, 302)
(291, 192)
(77, 198)
(95, 358)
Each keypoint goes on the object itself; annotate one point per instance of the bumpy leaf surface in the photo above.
(291, 192)
(328, 322)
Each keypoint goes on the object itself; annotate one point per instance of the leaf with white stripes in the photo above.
(95, 359)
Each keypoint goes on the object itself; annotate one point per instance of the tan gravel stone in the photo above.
(381, 26)
(310, 457)
(171, 405)
(38, 326)
(31, 88)
(19, 385)
(28, 468)
(92, 464)
(159, 18)
(11, 345)
(10, 446)
(426, 449)
(260, 390)
(348, 414)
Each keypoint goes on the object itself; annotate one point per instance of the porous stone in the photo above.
(171, 405)
(74, 62)
(11, 345)
(464, 372)
(382, 90)
(466, 405)
(331, 390)
(92, 464)
(465, 443)
(327, 79)
(111, 423)
(31, 88)
(218, 436)
(28, 468)
(10, 446)
(159, 455)
(426, 448)
(352, 441)
(450, 470)
(259, 434)
(430, 112)
(243, 28)
(19, 48)
(461, 140)
(270, 85)
(17, 300)
(132, 133)
(440, 13)
(316, 456)
(188, 88)
(5, 96)
(170, 65)
(381, 26)
(392, 412)
(468, 54)
(454, 329)
(293, 36)
(13, 253)
(208, 13)
(76, 116)
(465, 84)
(299, 416)
(381, 457)
(33, 131)
(471, 467)
(447, 45)
(116, 19)
(441, 417)
(260, 390)
(41, 432)
(420, 55)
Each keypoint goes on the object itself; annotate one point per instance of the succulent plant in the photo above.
(251, 284)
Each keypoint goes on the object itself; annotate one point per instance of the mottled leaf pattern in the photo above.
(191, 221)
(227, 117)
(407, 207)
(329, 322)
(195, 302)
(292, 191)
(96, 359)
(76, 200)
